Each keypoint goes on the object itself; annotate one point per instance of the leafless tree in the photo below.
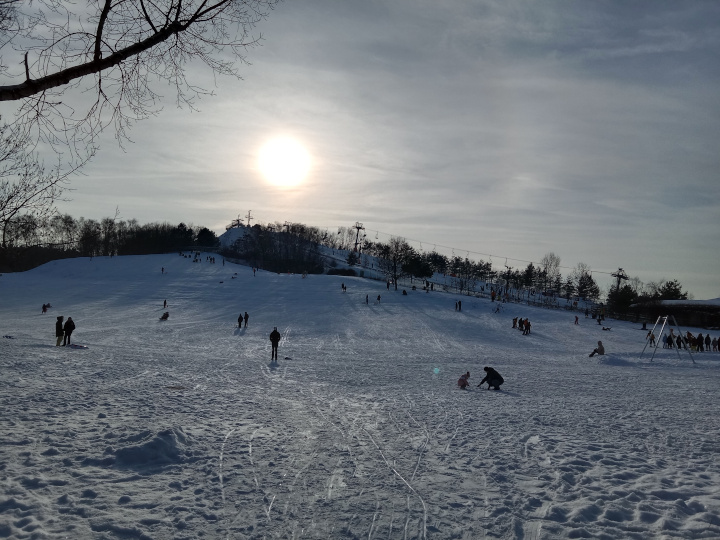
(28, 192)
(393, 256)
(550, 263)
(56, 53)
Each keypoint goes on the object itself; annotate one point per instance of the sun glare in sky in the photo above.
(284, 162)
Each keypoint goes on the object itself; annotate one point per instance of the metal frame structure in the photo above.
(665, 320)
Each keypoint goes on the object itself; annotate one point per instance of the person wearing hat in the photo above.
(274, 340)
(59, 330)
(493, 378)
(598, 350)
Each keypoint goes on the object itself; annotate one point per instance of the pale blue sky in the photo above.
(590, 129)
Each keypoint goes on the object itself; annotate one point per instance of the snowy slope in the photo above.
(184, 429)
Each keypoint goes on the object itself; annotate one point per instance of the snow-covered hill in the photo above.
(185, 429)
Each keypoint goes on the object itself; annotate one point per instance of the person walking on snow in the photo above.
(274, 340)
(246, 318)
(69, 327)
(59, 330)
(493, 378)
(598, 350)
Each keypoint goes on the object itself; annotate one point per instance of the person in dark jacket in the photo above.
(59, 330)
(600, 349)
(274, 340)
(240, 320)
(69, 327)
(247, 318)
(493, 378)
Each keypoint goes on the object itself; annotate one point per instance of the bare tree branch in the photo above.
(133, 44)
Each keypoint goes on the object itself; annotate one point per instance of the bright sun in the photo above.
(284, 162)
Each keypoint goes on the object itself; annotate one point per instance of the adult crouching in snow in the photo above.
(493, 378)
(598, 350)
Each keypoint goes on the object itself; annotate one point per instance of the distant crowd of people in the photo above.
(697, 343)
(522, 324)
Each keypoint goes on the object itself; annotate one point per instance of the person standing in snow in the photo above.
(68, 328)
(240, 320)
(493, 378)
(598, 350)
(246, 318)
(59, 330)
(274, 340)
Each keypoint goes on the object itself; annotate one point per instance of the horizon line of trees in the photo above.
(30, 240)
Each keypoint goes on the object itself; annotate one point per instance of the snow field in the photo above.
(184, 429)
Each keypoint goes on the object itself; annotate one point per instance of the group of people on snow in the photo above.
(697, 343)
(63, 331)
(242, 318)
(522, 324)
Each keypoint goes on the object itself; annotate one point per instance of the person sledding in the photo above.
(463, 381)
(493, 378)
(165, 316)
(598, 350)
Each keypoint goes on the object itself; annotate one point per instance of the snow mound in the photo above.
(168, 447)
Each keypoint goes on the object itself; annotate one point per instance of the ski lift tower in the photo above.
(235, 223)
(620, 275)
(359, 227)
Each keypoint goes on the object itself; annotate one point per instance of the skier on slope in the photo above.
(493, 378)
